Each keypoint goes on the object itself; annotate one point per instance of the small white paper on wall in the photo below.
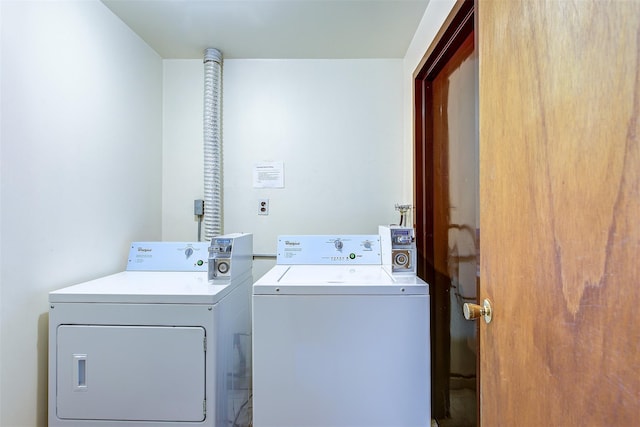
(268, 175)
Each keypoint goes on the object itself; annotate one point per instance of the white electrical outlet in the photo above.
(263, 206)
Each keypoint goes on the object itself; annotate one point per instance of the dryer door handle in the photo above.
(79, 372)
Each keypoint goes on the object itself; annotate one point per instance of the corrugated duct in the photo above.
(212, 143)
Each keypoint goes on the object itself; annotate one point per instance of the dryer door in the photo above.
(130, 373)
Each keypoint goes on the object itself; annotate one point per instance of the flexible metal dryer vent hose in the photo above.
(212, 143)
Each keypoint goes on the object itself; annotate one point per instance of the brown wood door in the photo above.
(560, 212)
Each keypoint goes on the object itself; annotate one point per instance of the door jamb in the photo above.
(459, 24)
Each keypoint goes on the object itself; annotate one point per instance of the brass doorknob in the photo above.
(475, 311)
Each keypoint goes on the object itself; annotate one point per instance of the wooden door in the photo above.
(560, 212)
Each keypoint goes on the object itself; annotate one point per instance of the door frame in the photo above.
(459, 24)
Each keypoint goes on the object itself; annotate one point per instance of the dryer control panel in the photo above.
(167, 256)
(329, 249)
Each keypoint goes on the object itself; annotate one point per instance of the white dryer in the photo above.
(339, 340)
(157, 345)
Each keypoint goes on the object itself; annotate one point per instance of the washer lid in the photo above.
(144, 287)
(337, 280)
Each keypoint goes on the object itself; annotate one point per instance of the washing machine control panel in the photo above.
(398, 249)
(329, 249)
(167, 256)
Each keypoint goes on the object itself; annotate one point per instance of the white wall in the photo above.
(343, 128)
(81, 171)
(336, 125)
(183, 163)
(1, 33)
(433, 18)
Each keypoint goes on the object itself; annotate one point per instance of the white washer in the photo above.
(338, 340)
(165, 347)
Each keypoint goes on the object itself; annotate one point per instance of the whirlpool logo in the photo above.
(141, 249)
(290, 243)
